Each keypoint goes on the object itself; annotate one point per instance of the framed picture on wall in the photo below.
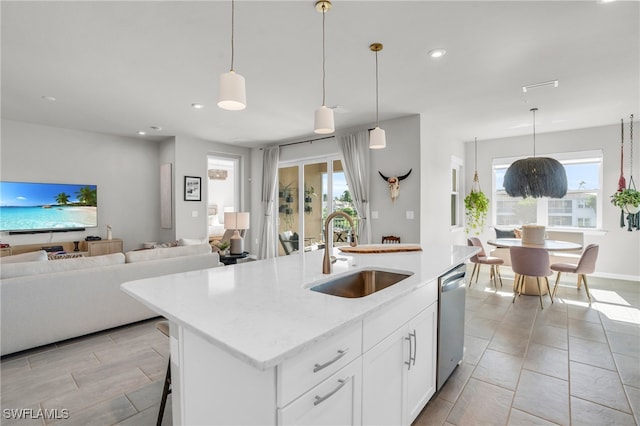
(192, 188)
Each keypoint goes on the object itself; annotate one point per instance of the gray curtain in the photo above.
(267, 244)
(355, 159)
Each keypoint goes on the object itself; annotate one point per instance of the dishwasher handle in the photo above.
(453, 282)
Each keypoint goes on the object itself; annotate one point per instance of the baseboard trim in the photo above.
(617, 276)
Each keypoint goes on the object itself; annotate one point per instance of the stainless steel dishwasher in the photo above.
(451, 303)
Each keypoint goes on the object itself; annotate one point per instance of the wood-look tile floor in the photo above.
(569, 364)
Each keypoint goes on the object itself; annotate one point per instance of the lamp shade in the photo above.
(242, 220)
(536, 177)
(232, 94)
(236, 220)
(377, 138)
(323, 121)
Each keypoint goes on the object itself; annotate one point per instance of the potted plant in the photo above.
(628, 200)
(476, 206)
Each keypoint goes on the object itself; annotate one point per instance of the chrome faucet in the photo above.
(328, 245)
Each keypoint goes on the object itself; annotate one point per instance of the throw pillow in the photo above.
(505, 233)
(35, 256)
(192, 241)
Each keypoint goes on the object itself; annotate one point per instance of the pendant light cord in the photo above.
(631, 148)
(324, 11)
(232, 31)
(534, 130)
(377, 108)
(475, 164)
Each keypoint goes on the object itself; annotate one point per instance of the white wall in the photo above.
(191, 160)
(435, 184)
(401, 154)
(619, 249)
(128, 185)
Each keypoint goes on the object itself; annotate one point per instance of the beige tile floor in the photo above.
(568, 364)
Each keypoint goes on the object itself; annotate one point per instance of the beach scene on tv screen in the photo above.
(27, 206)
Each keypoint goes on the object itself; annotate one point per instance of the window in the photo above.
(456, 191)
(579, 208)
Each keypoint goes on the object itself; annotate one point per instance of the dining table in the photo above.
(531, 287)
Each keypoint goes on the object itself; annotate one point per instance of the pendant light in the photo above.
(377, 138)
(324, 116)
(536, 176)
(232, 94)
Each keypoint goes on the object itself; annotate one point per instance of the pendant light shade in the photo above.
(323, 122)
(232, 94)
(377, 137)
(536, 176)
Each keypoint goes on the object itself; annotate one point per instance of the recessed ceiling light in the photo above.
(156, 128)
(197, 106)
(437, 53)
(49, 98)
(553, 83)
(142, 132)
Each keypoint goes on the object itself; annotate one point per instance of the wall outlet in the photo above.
(409, 215)
(194, 213)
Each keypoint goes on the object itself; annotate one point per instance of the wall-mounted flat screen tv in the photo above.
(29, 207)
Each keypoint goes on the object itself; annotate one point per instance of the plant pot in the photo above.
(308, 209)
(282, 208)
(308, 199)
(289, 199)
(631, 209)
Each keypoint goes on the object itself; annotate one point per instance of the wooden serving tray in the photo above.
(380, 248)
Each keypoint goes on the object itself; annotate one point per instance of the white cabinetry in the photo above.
(398, 374)
(336, 401)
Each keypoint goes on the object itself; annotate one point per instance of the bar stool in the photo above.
(530, 262)
(163, 327)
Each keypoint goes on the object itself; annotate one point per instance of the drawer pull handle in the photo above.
(415, 346)
(408, 363)
(321, 399)
(341, 353)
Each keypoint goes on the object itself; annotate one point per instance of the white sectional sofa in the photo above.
(46, 301)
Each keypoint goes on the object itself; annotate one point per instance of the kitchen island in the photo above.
(252, 344)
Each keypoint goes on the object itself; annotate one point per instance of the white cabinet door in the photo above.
(335, 401)
(384, 372)
(421, 378)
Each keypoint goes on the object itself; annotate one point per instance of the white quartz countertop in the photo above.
(263, 312)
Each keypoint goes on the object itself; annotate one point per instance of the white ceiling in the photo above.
(120, 67)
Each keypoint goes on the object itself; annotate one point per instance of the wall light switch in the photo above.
(409, 214)
(194, 213)
(374, 214)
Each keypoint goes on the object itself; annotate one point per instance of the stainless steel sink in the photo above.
(361, 283)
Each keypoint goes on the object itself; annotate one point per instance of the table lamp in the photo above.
(236, 221)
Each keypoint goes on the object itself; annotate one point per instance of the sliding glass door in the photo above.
(308, 191)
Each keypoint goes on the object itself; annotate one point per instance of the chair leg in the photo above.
(579, 278)
(555, 287)
(165, 392)
(499, 276)
(477, 273)
(549, 289)
(539, 292)
(516, 280)
(586, 287)
(473, 272)
(492, 276)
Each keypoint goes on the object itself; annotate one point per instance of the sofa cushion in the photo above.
(34, 256)
(165, 253)
(192, 241)
(36, 268)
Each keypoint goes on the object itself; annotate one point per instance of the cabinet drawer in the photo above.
(300, 373)
(379, 325)
(336, 401)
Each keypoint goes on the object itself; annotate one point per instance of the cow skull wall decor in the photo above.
(394, 183)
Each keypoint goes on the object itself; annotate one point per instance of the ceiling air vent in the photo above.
(552, 83)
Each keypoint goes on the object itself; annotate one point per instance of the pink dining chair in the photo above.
(586, 265)
(482, 259)
(530, 262)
